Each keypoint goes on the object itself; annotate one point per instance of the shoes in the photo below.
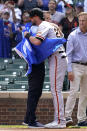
(55, 124)
(83, 123)
(36, 124)
(69, 121)
(24, 123)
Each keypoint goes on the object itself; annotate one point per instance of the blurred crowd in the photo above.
(14, 15)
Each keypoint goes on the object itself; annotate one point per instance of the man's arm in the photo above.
(40, 36)
(20, 2)
(69, 51)
(64, 3)
(32, 39)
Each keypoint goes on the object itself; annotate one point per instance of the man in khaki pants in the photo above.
(77, 71)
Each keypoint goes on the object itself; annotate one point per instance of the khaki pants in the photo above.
(80, 80)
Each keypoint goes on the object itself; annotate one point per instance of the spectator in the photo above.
(69, 22)
(15, 12)
(18, 14)
(20, 27)
(1, 5)
(47, 17)
(25, 20)
(6, 35)
(79, 7)
(66, 25)
(45, 5)
(9, 5)
(29, 4)
(55, 15)
(61, 3)
(60, 6)
(77, 71)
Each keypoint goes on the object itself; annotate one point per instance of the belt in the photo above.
(63, 56)
(80, 63)
(61, 52)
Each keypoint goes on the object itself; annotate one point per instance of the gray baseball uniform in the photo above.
(57, 69)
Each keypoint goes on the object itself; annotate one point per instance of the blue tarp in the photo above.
(36, 54)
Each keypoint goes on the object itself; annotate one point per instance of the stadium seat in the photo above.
(12, 75)
(17, 87)
(46, 86)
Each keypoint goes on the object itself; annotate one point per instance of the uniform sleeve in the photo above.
(42, 32)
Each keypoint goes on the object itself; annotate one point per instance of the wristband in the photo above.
(27, 36)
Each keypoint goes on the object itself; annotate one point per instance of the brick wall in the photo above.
(12, 109)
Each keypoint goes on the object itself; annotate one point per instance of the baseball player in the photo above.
(54, 85)
(57, 66)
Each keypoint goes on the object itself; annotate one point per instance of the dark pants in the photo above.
(35, 81)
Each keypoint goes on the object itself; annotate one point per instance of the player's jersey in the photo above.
(46, 29)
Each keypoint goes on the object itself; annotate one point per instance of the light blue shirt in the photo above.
(76, 48)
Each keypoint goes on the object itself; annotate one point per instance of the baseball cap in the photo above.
(69, 4)
(79, 4)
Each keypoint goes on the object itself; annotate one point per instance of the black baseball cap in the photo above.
(36, 12)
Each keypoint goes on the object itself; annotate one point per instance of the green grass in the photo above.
(77, 127)
(22, 126)
(13, 126)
